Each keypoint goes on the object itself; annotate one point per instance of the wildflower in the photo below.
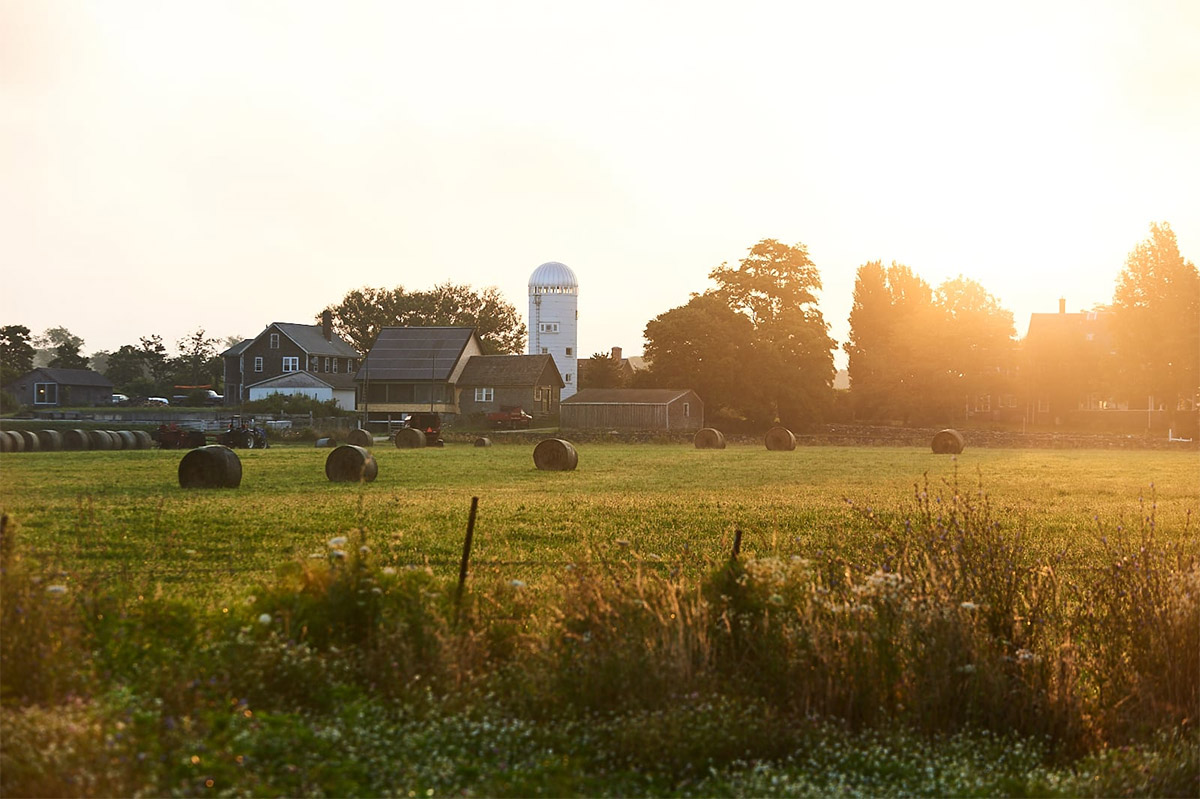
(338, 541)
(340, 554)
(389, 570)
(316, 556)
(1025, 656)
(969, 606)
(363, 550)
(517, 583)
(776, 599)
(969, 668)
(264, 619)
(56, 589)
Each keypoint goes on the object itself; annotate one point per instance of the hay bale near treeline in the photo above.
(51, 440)
(144, 440)
(75, 440)
(947, 442)
(212, 466)
(30, 440)
(360, 437)
(709, 438)
(780, 439)
(410, 438)
(9, 442)
(555, 455)
(351, 464)
(483, 441)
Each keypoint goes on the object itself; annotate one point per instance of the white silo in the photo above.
(554, 319)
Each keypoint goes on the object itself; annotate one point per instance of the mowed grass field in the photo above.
(122, 515)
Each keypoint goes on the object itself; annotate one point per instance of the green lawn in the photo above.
(124, 513)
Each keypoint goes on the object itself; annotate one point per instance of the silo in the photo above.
(554, 320)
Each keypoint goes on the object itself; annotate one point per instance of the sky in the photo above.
(173, 166)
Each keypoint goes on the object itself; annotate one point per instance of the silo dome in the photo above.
(553, 274)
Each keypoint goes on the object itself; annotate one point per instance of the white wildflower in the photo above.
(340, 554)
(389, 570)
(56, 589)
(969, 606)
(338, 541)
(264, 619)
(517, 583)
(364, 549)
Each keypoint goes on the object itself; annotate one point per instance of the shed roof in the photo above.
(237, 349)
(509, 370)
(70, 377)
(626, 396)
(415, 353)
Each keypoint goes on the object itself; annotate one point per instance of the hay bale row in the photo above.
(351, 464)
(73, 440)
(780, 439)
(947, 442)
(213, 466)
(709, 438)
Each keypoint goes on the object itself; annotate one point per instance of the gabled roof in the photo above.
(509, 370)
(626, 396)
(307, 380)
(416, 353)
(70, 377)
(237, 349)
(310, 339)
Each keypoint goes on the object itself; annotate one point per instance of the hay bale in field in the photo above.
(51, 440)
(483, 441)
(75, 440)
(327, 442)
(410, 438)
(115, 438)
(351, 464)
(555, 455)
(98, 439)
(360, 437)
(709, 438)
(30, 440)
(780, 439)
(947, 442)
(128, 439)
(213, 466)
(11, 442)
(144, 440)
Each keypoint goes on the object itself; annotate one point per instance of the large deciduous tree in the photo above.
(1156, 320)
(198, 363)
(362, 313)
(16, 352)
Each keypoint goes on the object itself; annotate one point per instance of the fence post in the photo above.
(466, 557)
(737, 544)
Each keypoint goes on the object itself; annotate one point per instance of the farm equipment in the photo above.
(239, 435)
(243, 436)
(172, 436)
(509, 418)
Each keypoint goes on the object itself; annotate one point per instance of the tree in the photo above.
(601, 371)
(1156, 320)
(66, 356)
(775, 288)
(154, 357)
(126, 364)
(979, 341)
(198, 362)
(16, 352)
(362, 313)
(56, 342)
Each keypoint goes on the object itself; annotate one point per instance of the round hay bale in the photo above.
(11, 442)
(5, 442)
(98, 439)
(351, 464)
(51, 440)
(30, 440)
(115, 438)
(780, 439)
(128, 439)
(213, 466)
(483, 441)
(709, 438)
(410, 438)
(439, 443)
(360, 437)
(555, 455)
(75, 440)
(324, 443)
(947, 442)
(143, 439)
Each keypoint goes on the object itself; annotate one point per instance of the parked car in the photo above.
(509, 418)
(156, 401)
(119, 399)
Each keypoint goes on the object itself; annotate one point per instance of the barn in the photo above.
(633, 409)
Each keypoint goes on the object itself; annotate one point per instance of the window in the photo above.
(1043, 405)
(291, 363)
(258, 363)
(687, 410)
(567, 377)
(983, 403)
(485, 394)
(326, 363)
(548, 327)
(537, 392)
(335, 368)
(45, 393)
(1008, 400)
(274, 341)
(570, 352)
(545, 351)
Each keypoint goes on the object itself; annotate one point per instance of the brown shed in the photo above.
(493, 382)
(633, 409)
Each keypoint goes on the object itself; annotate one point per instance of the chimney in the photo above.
(1062, 304)
(327, 324)
(616, 353)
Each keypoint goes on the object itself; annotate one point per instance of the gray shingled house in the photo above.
(496, 382)
(45, 387)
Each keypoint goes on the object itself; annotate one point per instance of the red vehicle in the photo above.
(509, 418)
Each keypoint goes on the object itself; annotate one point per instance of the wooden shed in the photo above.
(633, 409)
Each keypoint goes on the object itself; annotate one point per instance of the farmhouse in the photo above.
(46, 387)
(289, 358)
(413, 370)
(492, 382)
(633, 409)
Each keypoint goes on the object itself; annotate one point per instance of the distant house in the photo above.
(414, 369)
(289, 358)
(626, 368)
(492, 382)
(633, 409)
(46, 387)
(1068, 365)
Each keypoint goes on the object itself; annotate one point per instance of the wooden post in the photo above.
(466, 557)
(737, 544)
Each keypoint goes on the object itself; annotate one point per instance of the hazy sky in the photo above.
(166, 166)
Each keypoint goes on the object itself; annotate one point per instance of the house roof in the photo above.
(237, 349)
(307, 380)
(415, 353)
(1063, 327)
(509, 370)
(312, 340)
(70, 377)
(626, 396)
